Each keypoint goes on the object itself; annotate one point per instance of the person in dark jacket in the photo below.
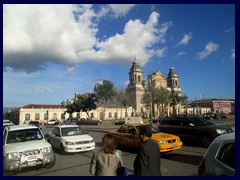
(147, 162)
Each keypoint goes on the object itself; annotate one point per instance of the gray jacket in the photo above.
(103, 164)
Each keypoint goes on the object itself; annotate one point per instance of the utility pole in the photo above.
(150, 99)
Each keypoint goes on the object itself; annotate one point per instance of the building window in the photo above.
(110, 115)
(115, 115)
(126, 114)
(37, 117)
(55, 116)
(139, 79)
(92, 115)
(45, 116)
(62, 116)
(27, 117)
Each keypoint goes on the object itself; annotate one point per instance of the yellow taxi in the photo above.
(127, 137)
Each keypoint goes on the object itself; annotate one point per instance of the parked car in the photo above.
(127, 137)
(71, 121)
(6, 123)
(208, 115)
(219, 158)
(35, 123)
(193, 128)
(53, 122)
(70, 138)
(24, 147)
(220, 116)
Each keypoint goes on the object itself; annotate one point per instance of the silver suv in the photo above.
(219, 159)
(24, 146)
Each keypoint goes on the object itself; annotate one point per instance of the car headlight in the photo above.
(221, 131)
(178, 139)
(162, 142)
(69, 143)
(12, 156)
(47, 150)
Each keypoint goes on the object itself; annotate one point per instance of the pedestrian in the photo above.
(106, 160)
(147, 162)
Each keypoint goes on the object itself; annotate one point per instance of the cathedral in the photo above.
(137, 87)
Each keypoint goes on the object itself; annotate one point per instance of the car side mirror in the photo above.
(46, 136)
(191, 124)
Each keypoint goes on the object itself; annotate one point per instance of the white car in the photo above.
(6, 123)
(24, 146)
(53, 122)
(70, 139)
(219, 159)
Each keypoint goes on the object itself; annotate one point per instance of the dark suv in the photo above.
(192, 128)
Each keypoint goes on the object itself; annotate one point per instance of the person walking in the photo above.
(147, 161)
(106, 160)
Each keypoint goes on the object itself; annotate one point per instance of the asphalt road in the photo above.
(183, 162)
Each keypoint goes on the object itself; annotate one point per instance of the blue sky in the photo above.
(52, 51)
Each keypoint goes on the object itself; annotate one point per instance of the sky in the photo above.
(52, 51)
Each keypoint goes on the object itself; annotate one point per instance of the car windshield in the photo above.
(72, 131)
(153, 128)
(24, 135)
(199, 121)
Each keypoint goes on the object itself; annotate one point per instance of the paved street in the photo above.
(183, 162)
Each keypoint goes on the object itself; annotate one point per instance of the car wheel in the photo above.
(206, 141)
(62, 149)
(51, 164)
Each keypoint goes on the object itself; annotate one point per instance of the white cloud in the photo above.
(185, 40)
(229, 30)
(135, 41)
(70, 70)
(34, 34)
(121, 9)
(37, 34)
(41, 90)
(209, 49)
(161, 52)
(115, 10)
(181, 53)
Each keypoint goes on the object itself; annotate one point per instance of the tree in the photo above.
(161, 97)
(105, 91)
(84, 102)
(176, 99)
(126, 98)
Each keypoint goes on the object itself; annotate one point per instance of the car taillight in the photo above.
(201, 167)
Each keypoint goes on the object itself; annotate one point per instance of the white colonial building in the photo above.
(45, 112)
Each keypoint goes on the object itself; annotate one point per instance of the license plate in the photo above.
(174, 146)
(33, 163)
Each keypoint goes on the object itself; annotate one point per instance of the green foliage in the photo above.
(126, 98)
(84, 102)
(105, 91)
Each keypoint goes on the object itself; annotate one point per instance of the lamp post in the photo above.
(149, 91)
(150, 101)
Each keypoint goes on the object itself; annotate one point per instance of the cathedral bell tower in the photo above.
(135, 87)
(173, 81)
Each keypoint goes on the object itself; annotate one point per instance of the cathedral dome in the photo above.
(99, 83)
